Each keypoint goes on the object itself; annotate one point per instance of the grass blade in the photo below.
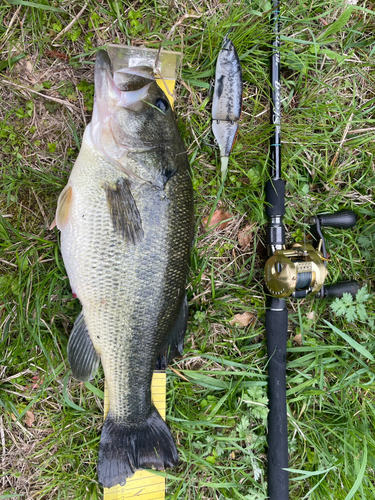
(361, 473)
(339, 24)
(34, 5)
(95, 390)
(67, 399)
(11, 62)
(358, 347)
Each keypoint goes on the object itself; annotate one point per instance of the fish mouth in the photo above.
(133, 78)
(122, 88)
(115, 91)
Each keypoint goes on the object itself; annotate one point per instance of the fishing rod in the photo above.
(295, 272)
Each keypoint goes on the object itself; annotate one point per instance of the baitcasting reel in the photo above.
(301, 270)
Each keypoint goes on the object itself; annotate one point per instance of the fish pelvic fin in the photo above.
(82, 356)
(124, 212)
(63, 206)
(174, 345)
(124, 448)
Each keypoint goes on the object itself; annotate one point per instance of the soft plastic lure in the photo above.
(227, 100)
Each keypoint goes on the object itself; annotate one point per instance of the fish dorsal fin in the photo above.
(125, 216)
(63, 206)
(82, 356)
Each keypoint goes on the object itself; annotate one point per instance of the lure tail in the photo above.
(125, 448)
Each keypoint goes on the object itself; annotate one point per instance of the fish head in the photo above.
(131, 111)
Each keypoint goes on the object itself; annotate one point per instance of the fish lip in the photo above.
(105, 88)
(143, 71)
(103, 60)
(131, 97)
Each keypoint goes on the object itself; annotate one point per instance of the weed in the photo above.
(352, 309)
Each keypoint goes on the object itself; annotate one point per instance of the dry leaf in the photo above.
(245, 236)
(29, 419)
(217, 217)
(311, 315)
(58, 55)
(298, 339)
(29, 67)
(243, 319)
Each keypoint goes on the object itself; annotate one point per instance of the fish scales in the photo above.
(127, 262)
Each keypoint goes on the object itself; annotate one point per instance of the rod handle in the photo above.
(341, 287)
(277, 333)
(344, 219)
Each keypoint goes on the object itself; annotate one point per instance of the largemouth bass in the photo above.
(126, 222)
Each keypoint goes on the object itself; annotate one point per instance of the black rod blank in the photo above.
(275, 145)
(276, 311)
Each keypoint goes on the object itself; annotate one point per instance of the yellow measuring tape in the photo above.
(145, 485)
(167, 87)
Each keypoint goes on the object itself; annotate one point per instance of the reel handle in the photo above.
(341, 287)
(344, 219)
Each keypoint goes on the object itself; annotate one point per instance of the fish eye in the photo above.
(162, 104)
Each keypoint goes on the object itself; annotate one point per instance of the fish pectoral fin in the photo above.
(174, 344)
(124, 212)
(63, 206)
(82, 356)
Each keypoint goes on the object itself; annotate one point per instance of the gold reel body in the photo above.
(298, 268)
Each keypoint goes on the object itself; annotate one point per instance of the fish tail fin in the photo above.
(125, 448)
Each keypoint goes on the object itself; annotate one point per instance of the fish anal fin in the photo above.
(126, 447)
(124, 212)
(82, 356)
(174, 344)
(63, 206)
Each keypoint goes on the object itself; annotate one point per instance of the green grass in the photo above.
(328, 81)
